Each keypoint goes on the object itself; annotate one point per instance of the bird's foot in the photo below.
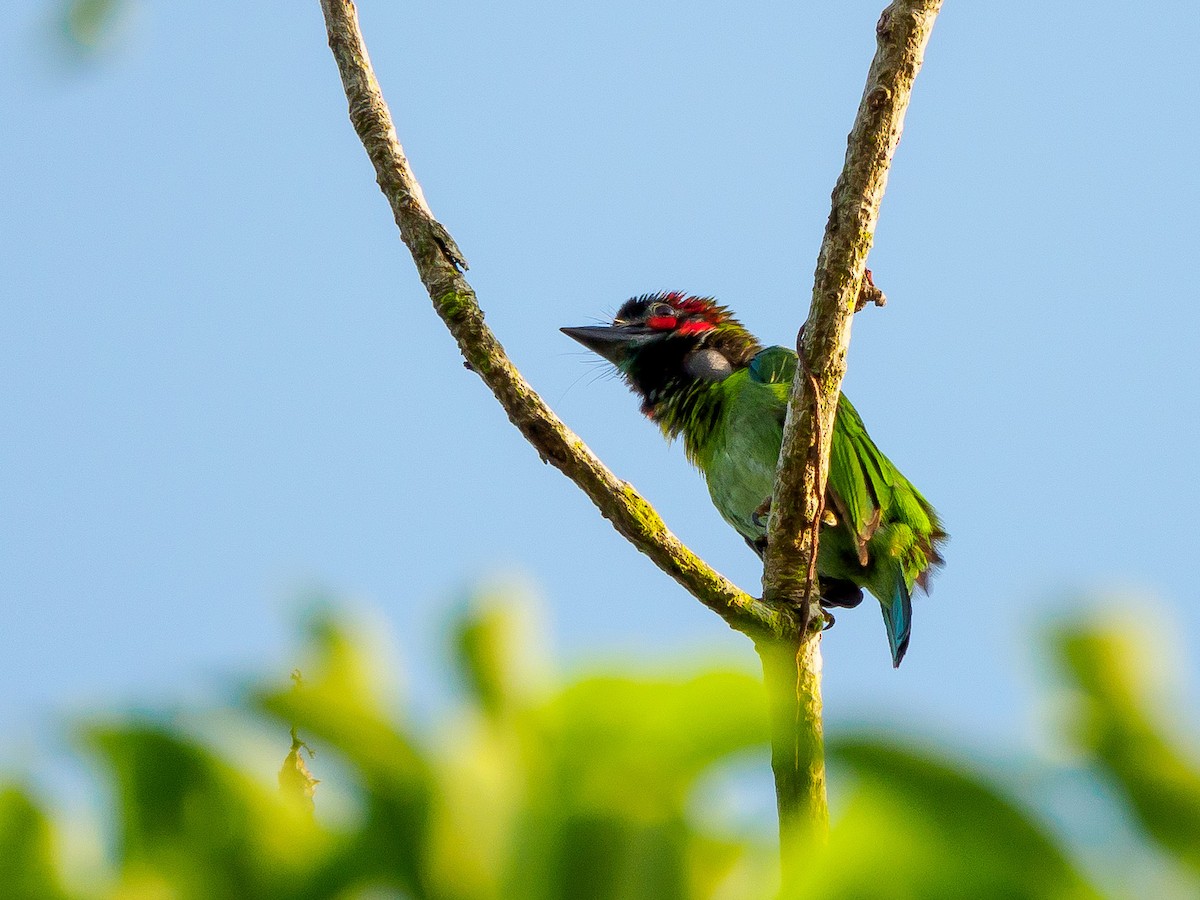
(840, 593)
(759, 517)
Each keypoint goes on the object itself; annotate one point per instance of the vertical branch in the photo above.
(789, 650)
(902, 32)
(792, 676)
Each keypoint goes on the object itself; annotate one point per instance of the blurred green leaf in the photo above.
(920, 826)
(27, 865)
(341, 705)
(608, 857)
(611, 776)
(87, 23)
(198, 822)
(631, 744)
(1116, 720)
(588, 789)
(496, 651)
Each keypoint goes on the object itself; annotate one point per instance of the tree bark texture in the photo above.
(798, 498)
(785, 632)
(440, 265)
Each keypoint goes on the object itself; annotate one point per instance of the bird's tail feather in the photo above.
(897, 616)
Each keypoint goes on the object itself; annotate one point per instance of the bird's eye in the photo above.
(660, 311)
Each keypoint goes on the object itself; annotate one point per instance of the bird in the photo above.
(703, 377)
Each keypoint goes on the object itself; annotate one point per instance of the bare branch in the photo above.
(792, 677)
(780, 622)
(903, 31)
(440, 263)
(792, 668)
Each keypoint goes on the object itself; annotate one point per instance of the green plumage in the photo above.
(884, 528)
(710, 383)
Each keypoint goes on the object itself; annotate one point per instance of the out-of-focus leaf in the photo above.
(608, 857)
(86, 23)
(296, 782)
(482, 780)
(919, 827)
(496, 651)
(1117, 721)
(587, 792)
(611, 770)
(639, 744)
(27, 868)
(341, 706)
(730, 868)
(200, 823)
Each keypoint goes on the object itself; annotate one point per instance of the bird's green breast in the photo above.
(739, 457)
(879, 524)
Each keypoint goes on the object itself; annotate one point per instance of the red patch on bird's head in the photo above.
(693, 305)
(673, 311)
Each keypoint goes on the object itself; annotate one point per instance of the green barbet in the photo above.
(703, 377)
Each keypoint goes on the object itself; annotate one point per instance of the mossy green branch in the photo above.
(792, 675)
(778, 622)
(792, 667)
(440, 265)
(902, 33)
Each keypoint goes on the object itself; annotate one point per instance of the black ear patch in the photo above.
(708, 365)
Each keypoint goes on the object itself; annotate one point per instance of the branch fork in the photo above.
(779, 621)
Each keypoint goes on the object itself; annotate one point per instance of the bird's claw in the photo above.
(759, 517)
(840, 593)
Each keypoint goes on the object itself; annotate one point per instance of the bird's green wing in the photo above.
(872, 494)
(775, 365)
(865, 490)
(856, 480)
(860, 478)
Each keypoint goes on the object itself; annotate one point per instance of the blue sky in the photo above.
(223, 387)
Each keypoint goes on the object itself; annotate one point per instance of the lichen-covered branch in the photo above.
(780, 621)
(903, 31)
(439, 264)
(789, 580)
(792, 677)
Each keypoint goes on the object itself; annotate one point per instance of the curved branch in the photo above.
(440, 263)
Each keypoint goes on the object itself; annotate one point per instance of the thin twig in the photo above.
(440, 263)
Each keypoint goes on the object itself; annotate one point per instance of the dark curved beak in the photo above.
(613, 342)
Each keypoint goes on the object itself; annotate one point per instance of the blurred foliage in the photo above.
(925, 827)
(541, 787)
(1122, 720)
(84, 27)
